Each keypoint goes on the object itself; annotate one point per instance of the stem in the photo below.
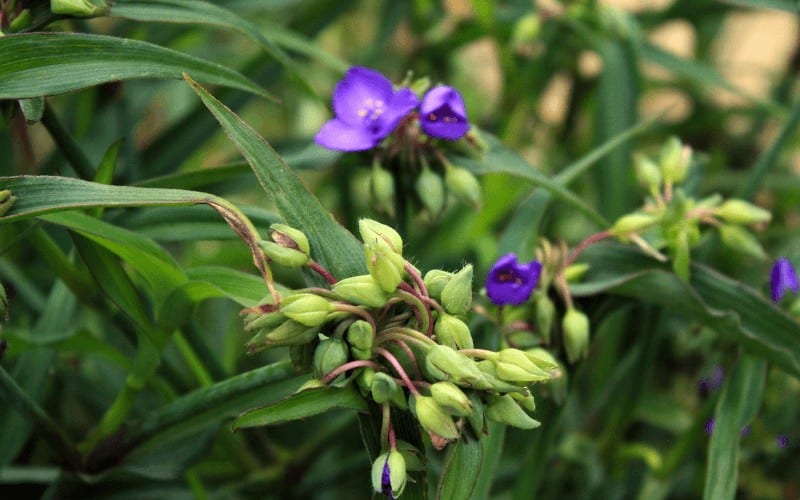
(423, 290)
(317, 268)
(392, 438)
(386, 425)
(410, 354)
(561, 284)
(583, 245)
(190, 357)
(351, 365)
(399, 369)
(479, 353)
(410, 333)
(67, 145)
(425, 317)
(350, 308)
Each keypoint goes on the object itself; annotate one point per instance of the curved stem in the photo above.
(419, 337)
(583, 245)
(350, 308)
(317, 268)
(478, 353)
(414, 363)
(352, 365)
(425, 317)
(423, 290)
(398, 368)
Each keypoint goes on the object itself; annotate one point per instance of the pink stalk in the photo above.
(399, 369)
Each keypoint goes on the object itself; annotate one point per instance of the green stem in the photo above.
(67, 145)
(191, 358)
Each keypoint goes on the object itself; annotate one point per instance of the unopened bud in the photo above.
(288, 333)
(365, 378)
(360, 335)
(374, 233)
(383, 388)
(288, 257)
(289, 237)
(457, 293)
(526, 29)
(543, 359)
(263, 321)
(306, 308)
(389, 474)
(451, 399)
(6, 201)
(362, 290)
(23, 20)
(435, 281)
(741, 240)
(576, 334)
(574, 272)
(386, 267)
(477, 419)
(381, 186)
(544, 312)
(329, 355)
(490, 381)
(430, 189)
(444, 363)
(514, 365)
(741, 212)
(674, 160)
(452, 332)
(633, 223)
(463, 185)
(433, 418)
(647, 173)
(505, 410)
(524, 399)
(79, 8)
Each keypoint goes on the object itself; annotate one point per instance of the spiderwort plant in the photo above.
(510, 282)
(783, 279)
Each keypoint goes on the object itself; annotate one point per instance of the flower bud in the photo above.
(362, 290)
(526, 29)
(490, 381)
(289, 237)
(444, 363)
(514, 365)
(329, 355)
(741, 212)
(433, 418)
(576, 334)
(288, 333)
(451, 399)
(263, 321)
(543, 359)
(79, 8)
(574, 272)
(463, 185)
(420, 85)
(365, 378)
(505, 410)
(435, 281)
(647, 173)
(288, 257)
(381, 187)
(544, 312)
(457, 293)
(430, 189)
(376, 234)
(524, 399)
(452, 332)
(740, 239)
(360, 335)
(389, 474)
(477, 419)
(633, 223)
(23, 20)
(383, 388)
(306, 308)
(6, 200)
(385, 267)
(674, 161)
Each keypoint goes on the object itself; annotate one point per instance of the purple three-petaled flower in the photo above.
(511, 283)
(386, 480)
(367, 110)
(782, 279)
(443, 114)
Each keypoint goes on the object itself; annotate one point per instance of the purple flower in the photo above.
(510, 282)
(386, 480)
(367, 109)
(713, 382)
(781, 441)
(782, 279)
(710, 426)
(443, 114)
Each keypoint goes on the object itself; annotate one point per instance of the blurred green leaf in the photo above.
(461, 469)
(303, 404)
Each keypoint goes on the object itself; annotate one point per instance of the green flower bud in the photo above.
(360, 335)
(389, 474)
(647, 173)
(79, 8)
(288, 333)
(544, 312)
(329, 355)
(365, 378)
(381, 186)
(6, 200)
(433, 418)
(741, 212)
(514, 365)
(288, 257)
(543, 359)
(633, 223)
(306, 308)
(313, 383)
(490, 381)
(263, 321)
(740, 239)
(420, 85)
(505, 410)
(362, 290)
(526, 29)
(360, 353)
(477, 419)
(435, 281)
(383, 388)
(451, 399)
(289, 237)
(452, 332)
(576, 334)
(574, 272)
(444, 363)
(374, 233)
(430, 189)
(23, 20)
(524, 399)
(457, 293)
(674, 160)
(463, 185)
(386, 268)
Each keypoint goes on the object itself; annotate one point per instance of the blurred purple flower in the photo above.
(443, 114)
(367, 110)
(782, 279)
(713, 382)
(511, 283)
(745, 431)
(781, 441)
(709, 426)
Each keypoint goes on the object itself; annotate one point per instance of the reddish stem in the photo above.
(423, 290)
(583, 245)
(317, 267)
(411, 357)
(352, 365)
(399, 369)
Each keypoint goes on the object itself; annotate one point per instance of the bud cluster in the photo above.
(403, 340)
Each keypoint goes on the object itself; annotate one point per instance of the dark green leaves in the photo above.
(303, 404)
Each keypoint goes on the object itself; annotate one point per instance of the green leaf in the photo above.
(730, 307)
(331, 244)
(32, 109)
(461, 469)
(42, 64)
(245, 289)
(737, 406)
(303, 404)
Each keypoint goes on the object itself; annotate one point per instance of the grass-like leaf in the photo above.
(303, 404)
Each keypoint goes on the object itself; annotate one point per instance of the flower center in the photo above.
(371, 109)
(507, 276)
(445, 114)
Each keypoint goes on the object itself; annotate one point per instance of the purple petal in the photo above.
(338, 135)
(399, 106)
(443, 113)
(782, 279)
(510, 283)
(355, 96)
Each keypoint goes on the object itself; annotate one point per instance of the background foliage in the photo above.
(125, 361)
